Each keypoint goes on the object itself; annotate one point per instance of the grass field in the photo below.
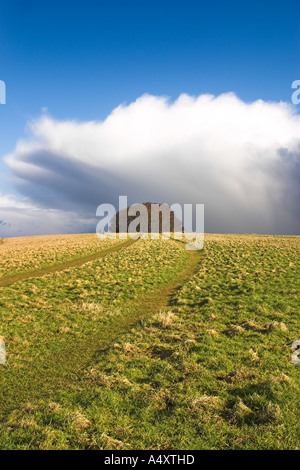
(27, 254)
(152, 346)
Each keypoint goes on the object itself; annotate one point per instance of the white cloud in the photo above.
(241, 160)
(10, 201)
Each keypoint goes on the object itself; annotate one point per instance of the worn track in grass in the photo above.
(65, 265)
(61, 372)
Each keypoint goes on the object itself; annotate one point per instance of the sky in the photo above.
(171, 101)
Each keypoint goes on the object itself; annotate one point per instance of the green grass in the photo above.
(94, 364)
(19, 256)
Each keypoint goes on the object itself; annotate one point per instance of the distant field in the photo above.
(151, 347)
(18, 255)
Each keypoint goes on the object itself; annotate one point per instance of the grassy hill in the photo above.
(151, 346)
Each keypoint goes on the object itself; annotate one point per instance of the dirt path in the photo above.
(61, 372)
(159, 300)
(67, 264)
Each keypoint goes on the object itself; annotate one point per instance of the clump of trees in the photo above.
(146, 217)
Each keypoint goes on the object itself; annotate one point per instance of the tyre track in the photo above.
(65, 265)
(63, 372)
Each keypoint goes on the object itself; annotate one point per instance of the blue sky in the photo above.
(82, 59)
